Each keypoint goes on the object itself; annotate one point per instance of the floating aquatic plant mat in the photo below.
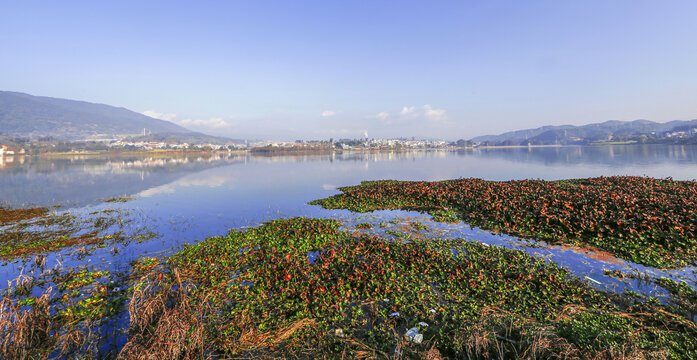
(36, 231)
(647, 221)
(303, 288)
(8, 216)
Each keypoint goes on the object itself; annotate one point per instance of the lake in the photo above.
(184, 199)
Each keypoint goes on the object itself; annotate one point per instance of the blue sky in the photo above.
(320, 69)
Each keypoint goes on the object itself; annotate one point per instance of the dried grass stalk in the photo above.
(23, 333)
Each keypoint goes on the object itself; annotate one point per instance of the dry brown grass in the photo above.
(165, 324)
(22, 285)
(251, 339)
(25, 334)
(34, 333)
(498, 335)
(254, 343)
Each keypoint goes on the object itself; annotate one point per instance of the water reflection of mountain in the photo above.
(80, 181)
(83, 180)
(613, 155)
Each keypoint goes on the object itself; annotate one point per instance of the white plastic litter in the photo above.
(593, 280)
(422, 324)
(414, 336)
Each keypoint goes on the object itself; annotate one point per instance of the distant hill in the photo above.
(638, 130)
(36, 116)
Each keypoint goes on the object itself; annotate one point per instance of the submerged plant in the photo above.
(53, 232)
(8, 216)
(683, 296)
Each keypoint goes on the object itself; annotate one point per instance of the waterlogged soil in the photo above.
(8, 216)
(648, 221)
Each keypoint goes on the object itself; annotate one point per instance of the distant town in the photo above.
(20, 146)
(25, 146)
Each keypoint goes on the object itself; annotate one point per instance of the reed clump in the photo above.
(72, 318)
(22, 332)
(164, 323)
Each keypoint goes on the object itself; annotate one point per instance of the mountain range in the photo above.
(25, 115)
(613, 130)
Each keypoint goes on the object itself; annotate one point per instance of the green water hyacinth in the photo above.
(270, 300)
(647, 221)
(303, 288)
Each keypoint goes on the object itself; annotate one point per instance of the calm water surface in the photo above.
(186, 199)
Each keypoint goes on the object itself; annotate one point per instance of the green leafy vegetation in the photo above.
(303, 288)
(255, 295)
(145, 264)
(119, 199)
(683, 296)
(419, 226)
(647, 221)
(363, 226)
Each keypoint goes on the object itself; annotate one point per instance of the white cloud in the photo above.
(434, 114)
(407, 110)
(211, 123)
(162, 189)
(161, 116)
(342, 131)
(382, 115)
(210, 182)
(411, 114)
(214, 122)
(327, 113)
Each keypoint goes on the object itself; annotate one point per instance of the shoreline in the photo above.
(281, 151)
